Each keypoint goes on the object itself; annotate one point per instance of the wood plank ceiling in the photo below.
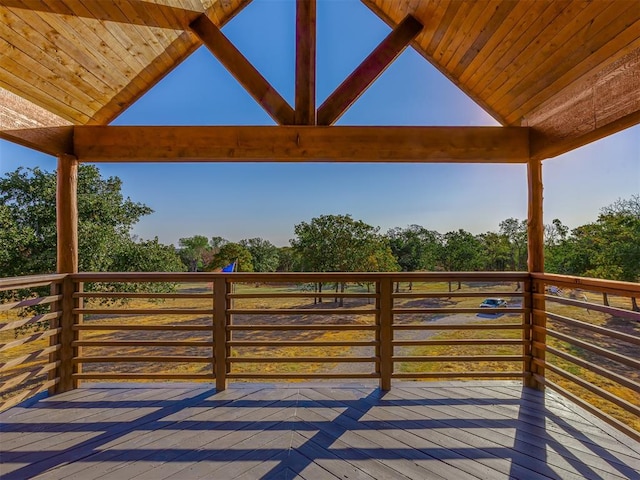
(568, 69)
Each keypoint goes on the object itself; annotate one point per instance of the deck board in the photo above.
(418, 430)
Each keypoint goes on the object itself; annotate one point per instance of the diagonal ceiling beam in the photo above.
(302, 144)
(243, 71)
(367, 72)
(305, 62)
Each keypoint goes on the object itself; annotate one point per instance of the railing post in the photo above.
(538, 335)
(220, 331)
(67, 336)
(385, 331)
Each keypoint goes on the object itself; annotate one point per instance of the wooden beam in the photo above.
(27, 124)
(604, 102)
(305, 113)
(67, 214)
(243, 71)
(367, 72)
(302, 144)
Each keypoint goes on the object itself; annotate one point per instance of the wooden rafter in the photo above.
(367, 72)
(305, 113)
(302, 144)
(243, 71)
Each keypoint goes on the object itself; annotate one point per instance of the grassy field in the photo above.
(160, 318)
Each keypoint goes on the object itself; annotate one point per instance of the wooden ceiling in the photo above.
(567, 70)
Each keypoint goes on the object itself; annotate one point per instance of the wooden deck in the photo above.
(443, 430)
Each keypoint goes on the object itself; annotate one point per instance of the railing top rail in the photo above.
(30, 280)
(611, 286)
(298, 276)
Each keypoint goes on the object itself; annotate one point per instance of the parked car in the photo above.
(493, 303)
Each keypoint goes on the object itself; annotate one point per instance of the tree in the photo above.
(495, 252)
(415, 248)
(193, 251)
(460, 252)
(607, 248)
(229, 253)
(105, 219)
(338, 243)
(264, 253)
(516, 231)
(288, 260)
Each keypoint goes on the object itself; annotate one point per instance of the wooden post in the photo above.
(220, 331)
(385, 329)
(67, 214)
(67, 335)
(535, 261)
(56, 289)
(67, 261)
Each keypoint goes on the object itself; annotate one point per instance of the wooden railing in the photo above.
(281, 327)
(585, 345)
(30, 331)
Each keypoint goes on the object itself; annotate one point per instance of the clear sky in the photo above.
(267, 200)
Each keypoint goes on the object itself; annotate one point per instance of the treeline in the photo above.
(607, 248)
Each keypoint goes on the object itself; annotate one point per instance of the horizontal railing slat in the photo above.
(299, 343)
(30, 302)
(608, 374)
(302, 359)
(172, 328)
(479, 374)
(28, 357)
(138, 358)
(302, 311)
(296, 327)
(30, 338)
(452, 311)
(141, 343)
(461, 358)
(616, 312)
(143, 311)
(456, 294)
(408, 343)
(606, 332)
(625, 360)
(28, 321)
(620, 402)
(28, 393)
(632, 433)
(16, 380)
(473, 326)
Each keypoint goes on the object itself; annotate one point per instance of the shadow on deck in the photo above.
(418, 430)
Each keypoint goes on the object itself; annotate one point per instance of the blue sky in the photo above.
(267, 200)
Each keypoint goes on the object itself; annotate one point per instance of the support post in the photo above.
(535, 262)
(385, 329)
(220, 331)
(67, 262)
(67, 214)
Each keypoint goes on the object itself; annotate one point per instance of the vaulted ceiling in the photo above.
(569, 70)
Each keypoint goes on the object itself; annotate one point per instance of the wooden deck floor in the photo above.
(444, 430)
